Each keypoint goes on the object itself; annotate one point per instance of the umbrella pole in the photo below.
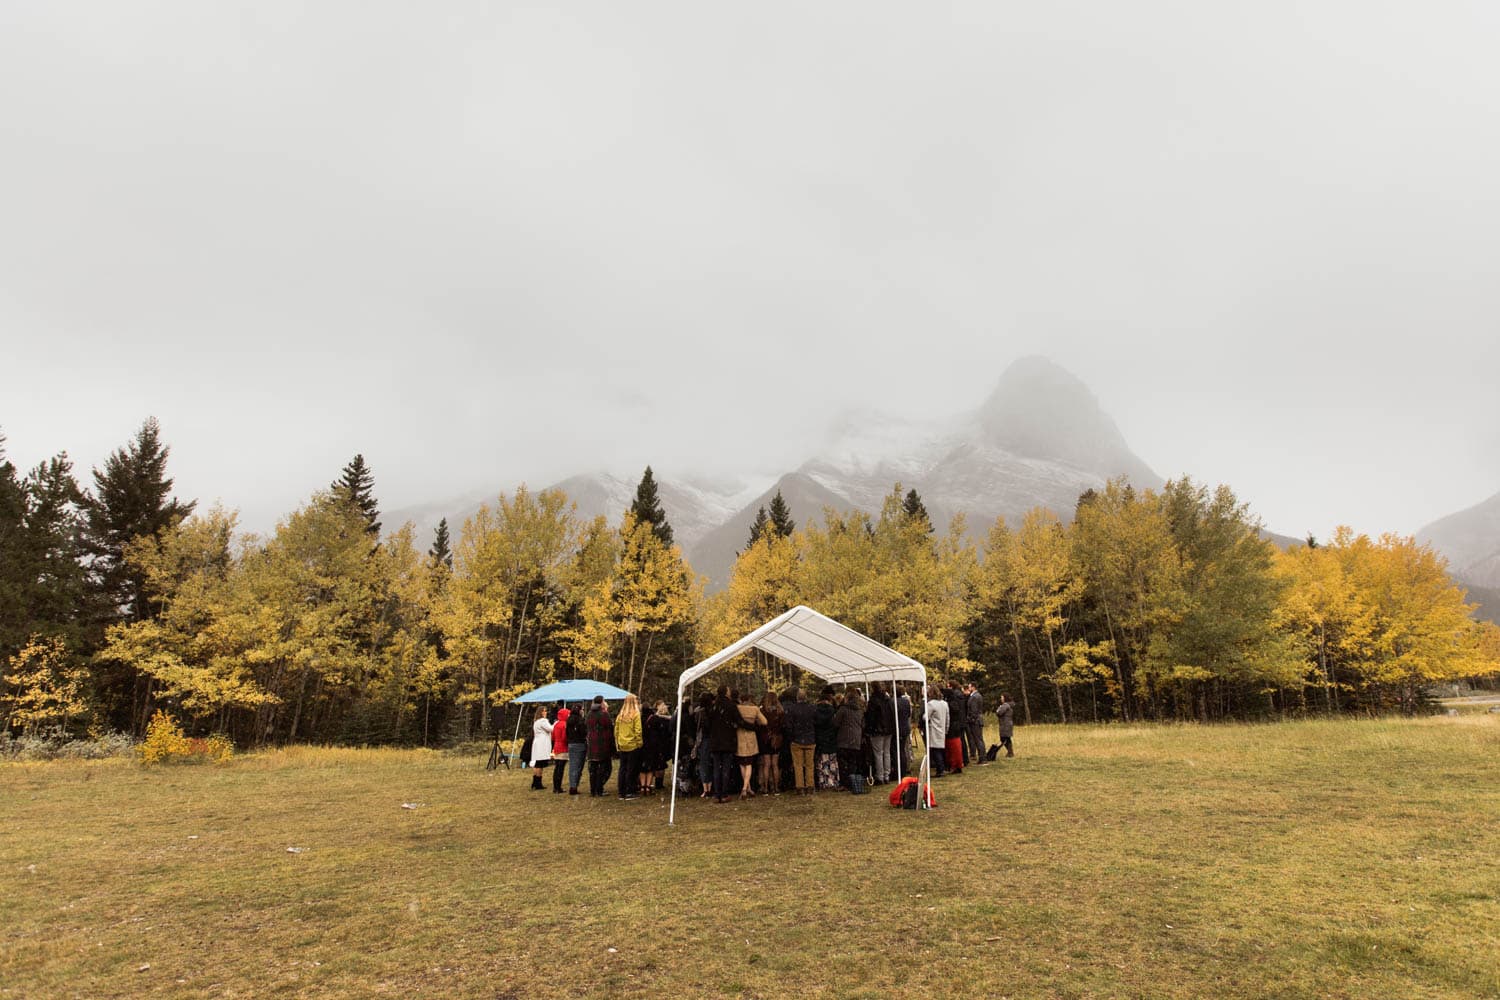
(519, 712)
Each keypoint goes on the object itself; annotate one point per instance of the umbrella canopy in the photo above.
(579, 690)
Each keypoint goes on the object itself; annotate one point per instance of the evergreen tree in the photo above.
(758, 527)
(915, 510)
(357, 484)
(44, 586)
(15, 560)
(781, 516)
(131, 499)
(441, 553)
(54, 522)
(647, 508)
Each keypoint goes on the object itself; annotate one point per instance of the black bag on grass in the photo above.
(909, 796)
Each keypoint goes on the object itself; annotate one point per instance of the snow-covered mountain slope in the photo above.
(1041, 439)
(695, 506)
(1470, 539)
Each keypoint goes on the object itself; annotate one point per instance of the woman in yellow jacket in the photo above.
(628, 743)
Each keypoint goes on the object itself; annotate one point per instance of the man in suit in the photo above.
(975, 717)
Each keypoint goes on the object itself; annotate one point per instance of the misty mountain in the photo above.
(1470, 539)
(694, 506)
(1039, 439)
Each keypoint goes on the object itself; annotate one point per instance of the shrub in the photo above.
(165, 742)
(57, 746)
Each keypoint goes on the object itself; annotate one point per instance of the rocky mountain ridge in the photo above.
(1040, 439)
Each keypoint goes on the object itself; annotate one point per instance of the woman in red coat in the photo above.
(559, 748)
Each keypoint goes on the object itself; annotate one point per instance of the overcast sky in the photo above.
(490, 242)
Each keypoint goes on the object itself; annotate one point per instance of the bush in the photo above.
(58, 746)
(165, 742)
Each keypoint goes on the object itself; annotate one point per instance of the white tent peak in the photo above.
(820, 646)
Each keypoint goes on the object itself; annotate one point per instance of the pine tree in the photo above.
(647, 508)
(44, 584)
(441, 553)
(915, 510)
(16, 574)
(357, 483)
(131, 499)
(758, 527)
(781, 516)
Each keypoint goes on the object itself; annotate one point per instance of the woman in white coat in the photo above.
(541, 746)
(935, 732)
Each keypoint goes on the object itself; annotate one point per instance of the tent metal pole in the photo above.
(676, 759)
(896, 741)
(926, 750)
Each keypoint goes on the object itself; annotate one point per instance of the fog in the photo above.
(485, 243)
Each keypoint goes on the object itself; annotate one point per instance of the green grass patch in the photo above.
(1327, 858)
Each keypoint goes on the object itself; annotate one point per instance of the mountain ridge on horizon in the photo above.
(1040, 438)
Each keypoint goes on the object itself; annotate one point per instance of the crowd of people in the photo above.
(733, 746)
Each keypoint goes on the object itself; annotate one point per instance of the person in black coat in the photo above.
(656, 747)
(880, 728)
(958, 713)
(724, 722)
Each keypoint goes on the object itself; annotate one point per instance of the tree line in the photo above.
(119, 599)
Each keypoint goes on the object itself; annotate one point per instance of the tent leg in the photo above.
(897, 740)
(922, 793)
(676, 761)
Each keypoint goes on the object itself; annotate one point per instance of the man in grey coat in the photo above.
(1006, 713)
(975, 718)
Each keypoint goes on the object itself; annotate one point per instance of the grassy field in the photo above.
(1317, 859)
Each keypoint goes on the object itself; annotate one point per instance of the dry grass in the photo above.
(1329, 859)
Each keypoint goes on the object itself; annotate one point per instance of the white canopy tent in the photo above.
(819, 645)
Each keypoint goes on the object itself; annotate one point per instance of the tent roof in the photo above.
(576, 690)
(819, 645)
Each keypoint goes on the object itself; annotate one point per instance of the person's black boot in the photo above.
(536, 782)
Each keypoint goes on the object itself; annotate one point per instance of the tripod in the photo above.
(497, 756)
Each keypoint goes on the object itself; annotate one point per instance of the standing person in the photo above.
(723, 741)
(541, 746)
(850, 721)
(701, 753)
(975, 715)
(656, 730)
(559, 749)
(935, 733)
(772, 736)
(601, 730)
(802, 733)
(578, 746)
(748, 742)
(903, 728)
(827, 740)
(880, 727)
(628, 743)
(957, 725)
(1005, 712)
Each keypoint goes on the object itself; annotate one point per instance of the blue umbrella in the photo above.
(579, 690)
(576, 690)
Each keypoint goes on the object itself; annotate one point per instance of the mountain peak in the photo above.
(1041, 410)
